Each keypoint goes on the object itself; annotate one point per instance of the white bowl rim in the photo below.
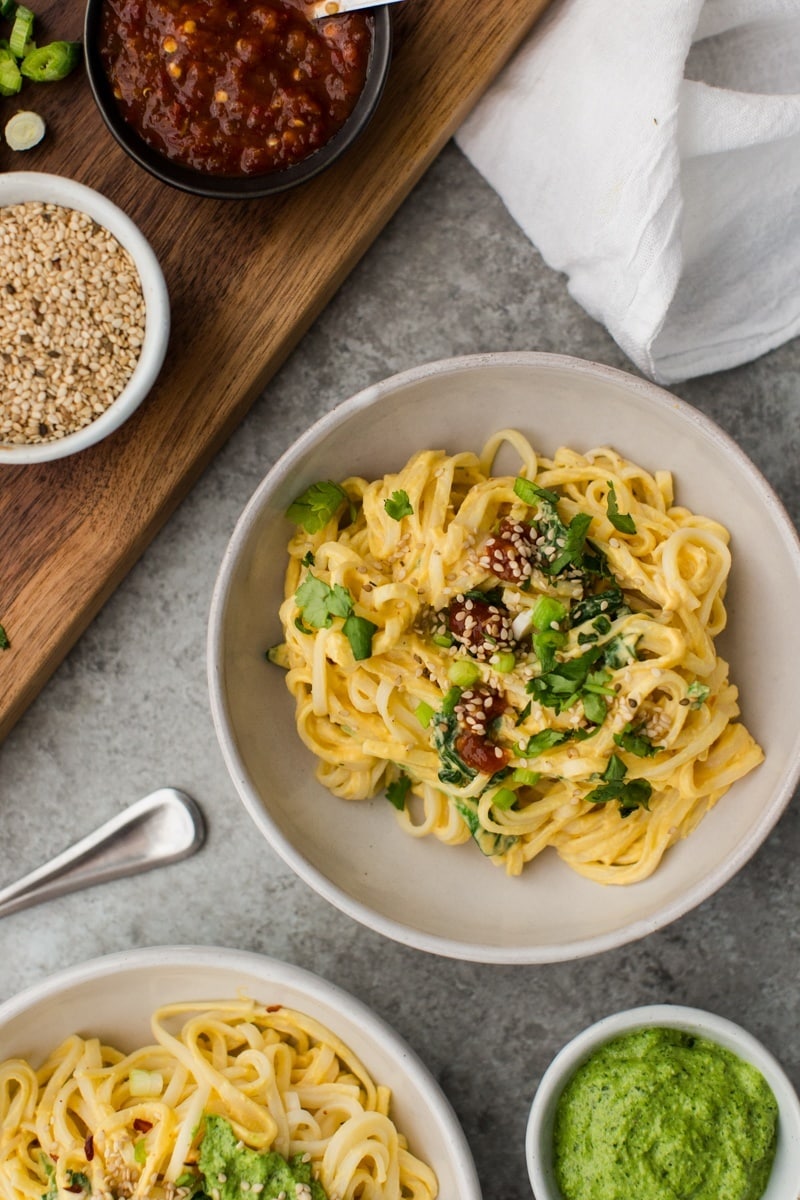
(274, 971)
(654, 1016)
(396, 930)
(52, 188)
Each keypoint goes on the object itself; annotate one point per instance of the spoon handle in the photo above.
(319, 9)
(163, 827)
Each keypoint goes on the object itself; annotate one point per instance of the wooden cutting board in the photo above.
(245, 279)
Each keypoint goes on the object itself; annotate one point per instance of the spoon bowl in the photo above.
(162, 828)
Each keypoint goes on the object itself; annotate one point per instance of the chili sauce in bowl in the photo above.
(234, 97)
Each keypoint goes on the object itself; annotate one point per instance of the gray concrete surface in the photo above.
(128, 712)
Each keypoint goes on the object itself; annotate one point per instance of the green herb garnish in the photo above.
(546, 739)
(359, 633)
(398, 505)
(624, 522)
(575, 540)
(397, 791)
(5, 644)
(317, 505)
(634, 794)
(531, 493)
(319, 604)
(635, 742)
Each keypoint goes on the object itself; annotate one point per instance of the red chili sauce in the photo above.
(233, 87)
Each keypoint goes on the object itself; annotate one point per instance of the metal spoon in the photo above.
(164, 827)
(334, 8)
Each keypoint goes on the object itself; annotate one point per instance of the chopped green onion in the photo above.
(21, 31)
(140, 1152)
(504, 798)
(526, 777)
(443, 639)
(548, 612)
(10, 78)
(7, 9)
(451, 699)
(424, 714)
(24, 130)
(505, 662)
(50, 63)
(463, 672)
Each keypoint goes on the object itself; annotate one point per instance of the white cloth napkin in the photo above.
(650, 149)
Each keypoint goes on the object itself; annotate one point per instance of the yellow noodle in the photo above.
(362, 717)
(283, 1081)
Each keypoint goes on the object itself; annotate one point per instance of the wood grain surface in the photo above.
(245, 283)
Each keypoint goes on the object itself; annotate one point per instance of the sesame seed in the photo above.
(73, 321)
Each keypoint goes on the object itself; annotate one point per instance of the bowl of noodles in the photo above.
(171, 1072)
(488, 660)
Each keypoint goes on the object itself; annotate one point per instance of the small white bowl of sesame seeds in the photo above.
(84, 317)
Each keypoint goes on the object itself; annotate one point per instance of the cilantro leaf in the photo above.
(318, 503)
(572, 553)
(545, 739)
(636, 742)
(340, 602)
(398, 505)
(615, 770)
(634, 794)
(4, 642)
(595, 708)
(359, 632)
(531, 493)
(624, 522)
(397, 791)
(319, 603)
(561, 687)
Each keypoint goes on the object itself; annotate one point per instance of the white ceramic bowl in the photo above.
(115, 996)
(17, 187)
(450, 900)
(783, 1184)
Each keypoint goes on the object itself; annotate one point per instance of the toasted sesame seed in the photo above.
(73, 319)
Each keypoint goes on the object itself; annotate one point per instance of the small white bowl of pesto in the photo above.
(664, 1101)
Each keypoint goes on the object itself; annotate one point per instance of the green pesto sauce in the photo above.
(226, 1164)
(662, 1115)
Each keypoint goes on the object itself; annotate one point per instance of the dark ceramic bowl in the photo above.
(246, 187)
